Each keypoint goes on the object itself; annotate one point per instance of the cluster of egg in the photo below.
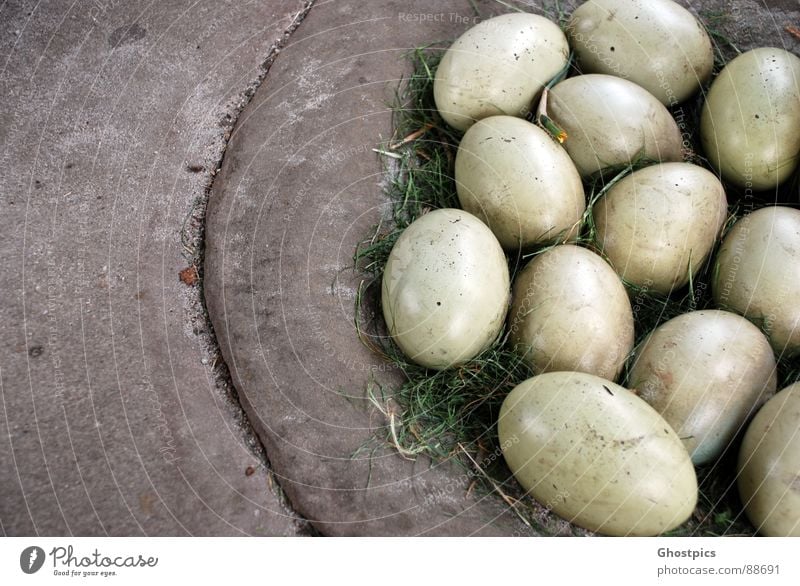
(615, 460)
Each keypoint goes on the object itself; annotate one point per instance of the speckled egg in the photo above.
(498, 67)
(769, 466)
(757, 274)
(597, 455)
(445, 289)
(612, 122)
(705, 372)
(570, 312)
(657, 44)
(516, 178)
(658, 225)
(750, 124)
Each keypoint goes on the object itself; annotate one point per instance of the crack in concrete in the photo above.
(193, 235)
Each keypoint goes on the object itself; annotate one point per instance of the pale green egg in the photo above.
(769, 466)
(657, 44)
(516, 178)
(570, 312)
(658, 225)
(498, 67)
(612, 122)
(750, 124)
(445, 289)
(596, 455)
(757, 274)
(705, 372)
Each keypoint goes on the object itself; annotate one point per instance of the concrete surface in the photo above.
(114, 115)
(118, 416)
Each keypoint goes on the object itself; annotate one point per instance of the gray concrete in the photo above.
(111, 423)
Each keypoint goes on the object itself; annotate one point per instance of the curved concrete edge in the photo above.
(298, 188)
(113, 421)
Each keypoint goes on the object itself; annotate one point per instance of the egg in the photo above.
(769, 466)
(570, 312)
(705, 372)
(757, 274)
(658, 225)
(520, 182)
(596, 454)
(445, 289)
(750, 123)
(612, 122)
(497, 67)
(656, 44)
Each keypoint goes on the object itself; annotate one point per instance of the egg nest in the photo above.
(452, 414)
